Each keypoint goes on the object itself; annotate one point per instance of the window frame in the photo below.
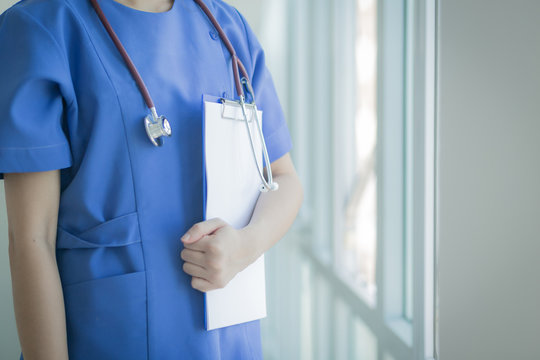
(396, 334)
(317, 111)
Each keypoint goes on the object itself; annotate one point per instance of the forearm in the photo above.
(274, 214)
(38, 299)
(214, 252)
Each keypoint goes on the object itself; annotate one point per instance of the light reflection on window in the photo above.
(361, 215)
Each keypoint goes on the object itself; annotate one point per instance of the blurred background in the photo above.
(416, 131)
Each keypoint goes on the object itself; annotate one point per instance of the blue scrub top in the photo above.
(68, 101)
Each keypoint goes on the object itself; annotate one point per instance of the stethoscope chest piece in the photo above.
(157, 127)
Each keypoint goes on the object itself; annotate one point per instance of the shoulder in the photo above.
(237, 28)
(38, 10)
(229, 16)
(37, 18)
(31, 41)
(226, 10)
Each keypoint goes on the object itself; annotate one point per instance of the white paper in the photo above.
(232, 183)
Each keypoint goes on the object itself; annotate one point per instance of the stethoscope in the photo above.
(158, 126)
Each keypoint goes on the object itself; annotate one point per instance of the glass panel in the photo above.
(360, 243)
(408, 164)
(365, 346)
(408, 233)
(322, 314)
(342, 315)
(306, 342)
(437, 303)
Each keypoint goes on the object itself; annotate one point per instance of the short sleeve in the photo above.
(32, 70)
(275, 130)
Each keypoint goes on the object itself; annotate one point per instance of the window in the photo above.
(360, 242)
(380, 194)
(408, 159)
(352, 280)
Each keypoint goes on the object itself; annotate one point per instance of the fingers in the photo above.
(194, 256)
(201, 229)
(194, 270)
(201, 284)
(202, 266)
(204, 254)
(201, 245)
(203, 279)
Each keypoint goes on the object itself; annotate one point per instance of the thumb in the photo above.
(199, 230)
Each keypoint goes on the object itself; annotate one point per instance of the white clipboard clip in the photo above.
(232, 110)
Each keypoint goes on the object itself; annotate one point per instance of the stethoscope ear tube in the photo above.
(158, 126)
(267, 185)
(238, 67)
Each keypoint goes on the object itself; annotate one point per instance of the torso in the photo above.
(124, 202)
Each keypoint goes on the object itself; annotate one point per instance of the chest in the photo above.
(178, 59)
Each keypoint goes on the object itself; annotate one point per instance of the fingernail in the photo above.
(185, 237)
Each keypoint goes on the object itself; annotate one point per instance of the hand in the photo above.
(214, 252)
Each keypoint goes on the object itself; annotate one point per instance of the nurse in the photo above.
(109, 255)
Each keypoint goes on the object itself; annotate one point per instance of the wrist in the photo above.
(251, 242)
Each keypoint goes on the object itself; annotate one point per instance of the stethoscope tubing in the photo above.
(132, 69)
(266, 185)
(238, 67)
(236, 63)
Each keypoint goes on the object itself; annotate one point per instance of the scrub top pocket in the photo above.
(108, 249)
(106, 318)
(104, 284)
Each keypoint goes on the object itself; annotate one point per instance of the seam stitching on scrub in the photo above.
(57, 45)
(268, 137)
(277, 134)
(34, 147)
(103, 223)
(248, 43)
(278, 130)
(226, 56)
(252, 65)
(130, 165)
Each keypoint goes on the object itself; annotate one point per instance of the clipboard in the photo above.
(232, 188)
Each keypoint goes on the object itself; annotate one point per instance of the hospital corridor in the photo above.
(414, 130)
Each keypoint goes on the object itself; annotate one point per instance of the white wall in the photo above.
(489, 181)
(4, 4)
